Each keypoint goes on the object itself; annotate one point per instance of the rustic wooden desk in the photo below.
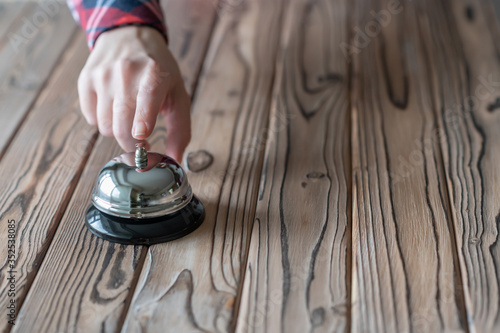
(354, 187)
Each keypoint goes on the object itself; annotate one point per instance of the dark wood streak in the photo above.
(43, 185)
(401, 102)
(182, 284)
(494, 250)
(469, 12)
(494, 106)
(469, 150)
(285, 261)
(294, 171)
(394, 220)
(228, 175)
(327, 80)
(216, 250)
(479, 215)
(382, 203)
(188, 36)
(444, 194)
(315, 315)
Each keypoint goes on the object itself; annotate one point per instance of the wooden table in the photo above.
(354, 187)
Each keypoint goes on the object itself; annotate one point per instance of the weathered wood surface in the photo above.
(404, 273)
(465, 78)
(39, 173)
(352, 193)
(32, 38)
(296, 278)
(9, 14)
(192, 284)
(85, 284)
(189, 25)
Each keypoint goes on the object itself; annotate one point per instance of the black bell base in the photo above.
(146, 231)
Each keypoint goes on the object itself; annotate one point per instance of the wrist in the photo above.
(127, 34)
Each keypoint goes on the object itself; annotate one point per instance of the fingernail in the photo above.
(140, 129)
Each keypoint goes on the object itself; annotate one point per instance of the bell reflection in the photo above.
(143, 206)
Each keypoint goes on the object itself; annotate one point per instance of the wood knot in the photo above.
(318, 316)
(199, 160)
(495, 105)
(474, 240)
(315, 175)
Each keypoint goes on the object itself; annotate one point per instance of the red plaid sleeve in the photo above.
(98, 16)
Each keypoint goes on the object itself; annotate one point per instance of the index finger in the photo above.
(153, 89)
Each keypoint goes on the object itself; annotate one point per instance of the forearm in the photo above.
(96, 19)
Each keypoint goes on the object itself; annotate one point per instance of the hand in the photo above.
(129, 78)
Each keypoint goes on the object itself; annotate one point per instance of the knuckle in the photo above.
(125, 66)
(101, 74)
(123, 105)
(154, 77)
(148, 88)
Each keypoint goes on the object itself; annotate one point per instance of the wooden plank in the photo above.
(98, 277)
(191, 284)
(29, 51)
(465, 75)
(39, 173)
(84, 283)
(9, 13)
(296, 277)
(405, 276)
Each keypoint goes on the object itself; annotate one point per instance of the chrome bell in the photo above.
(143, 198)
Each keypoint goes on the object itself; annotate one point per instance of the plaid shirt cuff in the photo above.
(98, 16)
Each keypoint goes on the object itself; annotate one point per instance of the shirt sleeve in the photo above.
(98, 16)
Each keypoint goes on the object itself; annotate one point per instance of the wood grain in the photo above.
(465, 76)
(189, 34)
(343, 193)
(405, 276)
(296, 277)
(9, 13)
(191, 284)
(30, 47)
(39, 172)
(85, 284)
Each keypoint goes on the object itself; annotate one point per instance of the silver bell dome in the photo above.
(143, 185)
